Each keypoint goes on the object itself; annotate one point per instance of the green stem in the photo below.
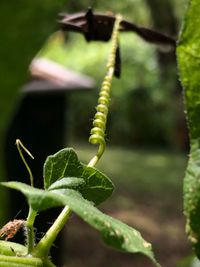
(32, 214)
(30, 230)
(43, 247)
(96, 158)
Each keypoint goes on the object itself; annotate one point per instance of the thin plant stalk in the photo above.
(43, 247)
(30, 230)
(32, 214)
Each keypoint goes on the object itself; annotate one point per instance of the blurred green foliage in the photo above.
(25, 25)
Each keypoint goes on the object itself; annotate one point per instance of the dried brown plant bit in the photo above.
(10, 229)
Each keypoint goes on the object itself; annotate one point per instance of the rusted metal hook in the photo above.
(98, 27)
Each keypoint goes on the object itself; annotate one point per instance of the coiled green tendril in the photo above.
(100, 118)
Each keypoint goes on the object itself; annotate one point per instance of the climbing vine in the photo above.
(77, 187)
(99, 123)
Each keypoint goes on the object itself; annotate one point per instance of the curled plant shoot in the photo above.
(32, 214)
(20, 145)
(99, 123)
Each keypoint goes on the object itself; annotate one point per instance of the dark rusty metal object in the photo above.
(98, 27)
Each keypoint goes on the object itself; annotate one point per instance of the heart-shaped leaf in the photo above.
(65, 164)
(62, 164)
(114, 233)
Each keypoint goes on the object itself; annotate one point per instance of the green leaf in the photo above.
(69, 182)
(8, 248)
(65, 164)
(114, 233)
(38, 199)
(15, 255)
(189, 67)
(192, 199)
(98, 186)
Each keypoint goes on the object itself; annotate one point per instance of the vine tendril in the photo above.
(19, 146)
(99, 123)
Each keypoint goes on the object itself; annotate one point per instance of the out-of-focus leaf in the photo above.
(189, 67)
